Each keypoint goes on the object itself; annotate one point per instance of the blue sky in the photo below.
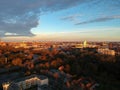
(66, 20)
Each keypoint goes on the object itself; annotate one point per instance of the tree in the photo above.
(17, 62)
(29, 65)
(67, 68)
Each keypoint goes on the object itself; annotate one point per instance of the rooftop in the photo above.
(41, 77)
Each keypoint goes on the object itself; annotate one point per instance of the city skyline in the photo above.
(64, 20)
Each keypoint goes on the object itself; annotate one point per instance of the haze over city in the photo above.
(69, 20)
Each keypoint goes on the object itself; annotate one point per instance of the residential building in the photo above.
(106, 51)
(26, 83)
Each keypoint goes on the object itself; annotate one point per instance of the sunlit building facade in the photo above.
(106, 51)
(26, 83)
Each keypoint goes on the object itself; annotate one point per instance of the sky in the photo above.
(60, 20)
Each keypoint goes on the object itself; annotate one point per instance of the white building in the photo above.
(26, 83)
(106, 51)
(85, 44)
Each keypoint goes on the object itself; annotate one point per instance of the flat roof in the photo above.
(41, 77)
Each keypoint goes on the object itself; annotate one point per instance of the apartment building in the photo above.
(26, 83)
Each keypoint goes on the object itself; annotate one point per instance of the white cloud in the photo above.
(20, 16)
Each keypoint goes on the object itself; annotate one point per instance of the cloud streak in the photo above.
(101, 19)
(73, 17)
